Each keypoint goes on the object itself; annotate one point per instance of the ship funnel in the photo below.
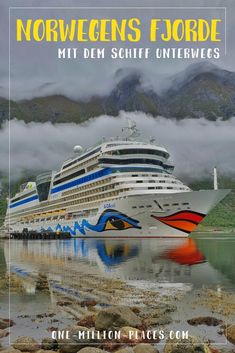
(43, 182)
(215, 179)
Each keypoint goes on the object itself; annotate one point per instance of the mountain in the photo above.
(202, 90)
(3, 109)
(129, 95)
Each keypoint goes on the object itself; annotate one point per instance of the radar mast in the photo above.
(132, 131)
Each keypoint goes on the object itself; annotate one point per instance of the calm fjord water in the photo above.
(49, 273)
(205, 259)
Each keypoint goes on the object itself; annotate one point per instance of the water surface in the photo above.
(87, 269)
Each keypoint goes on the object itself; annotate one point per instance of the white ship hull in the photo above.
(141, 216)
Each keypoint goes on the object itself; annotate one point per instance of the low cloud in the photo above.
(196, 146)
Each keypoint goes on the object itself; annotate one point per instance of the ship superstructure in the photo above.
(121, 187)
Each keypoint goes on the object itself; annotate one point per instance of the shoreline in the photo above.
(200, 230)
(57, 287)
(155, 324)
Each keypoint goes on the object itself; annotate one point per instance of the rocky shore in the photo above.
(141, 326)
(95, 333)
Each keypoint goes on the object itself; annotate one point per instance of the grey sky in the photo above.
(35, 69)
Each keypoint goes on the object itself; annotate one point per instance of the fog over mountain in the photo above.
(202, 90)
(196, 146)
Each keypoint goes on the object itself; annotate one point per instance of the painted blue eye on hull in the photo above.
(118, 254)
(118, 221)
(113, 214)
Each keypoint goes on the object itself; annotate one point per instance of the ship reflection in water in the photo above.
(156, 261)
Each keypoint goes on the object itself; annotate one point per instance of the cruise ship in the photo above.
(122, 187)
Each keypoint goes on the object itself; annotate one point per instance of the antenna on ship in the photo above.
(132, 130)
(215, 179)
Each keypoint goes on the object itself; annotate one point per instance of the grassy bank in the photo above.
(223, 215)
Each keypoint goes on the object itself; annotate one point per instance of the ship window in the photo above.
(81, 158)
(23, 196)
(175, 204)
(131, 161)
(149, 206)
(139, 181)
(141, 151)
(168, 167)
(169, 187)
(70, 176)
(185, 203)
(134, 207)
(131, 168)
(150, 187)
(166, 204)
(141, 206)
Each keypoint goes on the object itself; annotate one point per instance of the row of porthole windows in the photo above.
(81, 158)
(164, 205)
(175, 204)
(166, 188)
(67, 203)
(87, 187)
(152, 175)
(141, 206)
(159, 181)
(35, 215)
(90, 192)
(85, 213)
(67, 172)
(93, 198)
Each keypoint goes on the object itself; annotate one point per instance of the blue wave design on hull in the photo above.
(109, 220)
